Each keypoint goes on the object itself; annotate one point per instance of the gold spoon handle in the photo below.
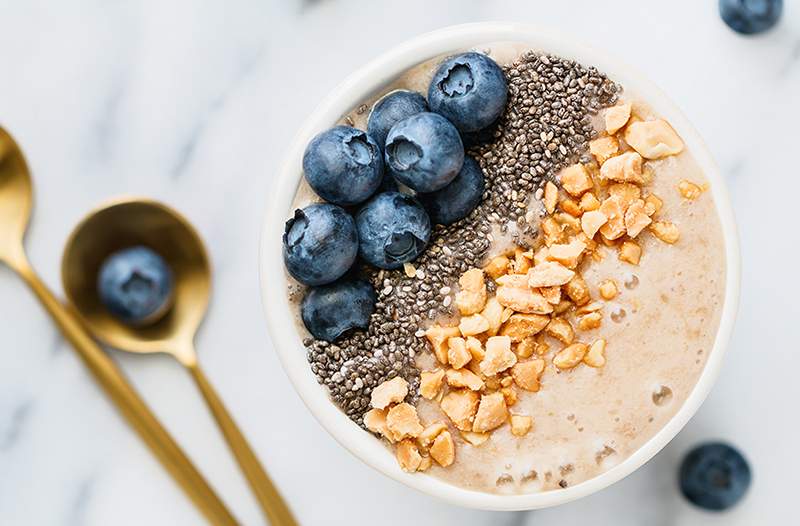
(271, 502)
(128, 402)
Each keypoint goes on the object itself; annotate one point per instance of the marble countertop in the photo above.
(194, 102)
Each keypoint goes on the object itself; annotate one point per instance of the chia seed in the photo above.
(546, 126)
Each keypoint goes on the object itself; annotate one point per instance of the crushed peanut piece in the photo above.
(689, 190)
(497, 266)
(426, 438)
(520, 425)
(627, 193)
(524, 300)
(498, 355)
(560, 329)
(389, 392)
(475, 348)
(549, 274)
(596, 355)
(578, 290)
(593, 320)
(630, 252)
(472, 296)
(476, 439)
(464, 378)
(493, 312)
(604, 148)
(551, 294)
(526, 374)
(589, 202)
(438, 336)
(665, 231)
(443, 450)
(550, 197)
(430, 382)
(375, 421)
(424, 464)
(608, 289)
(591, 222)
(624, 168)
(460, 407)
(408, 456)
(591, 307)
(552, 231)
(612, 208)
(521, 262)
(571, 207)
(509, 395)
(402, 421)
(636, 218)
(568, 255)
(570, 356)
(472, 325)
(652, 204)
(457, 355)
(492, 413)
(616, 117)
(520, 326)
(575, 179)
(653, 139)
(526, 347)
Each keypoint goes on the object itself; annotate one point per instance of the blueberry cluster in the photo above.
(409, 140)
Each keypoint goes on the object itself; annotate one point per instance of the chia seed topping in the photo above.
(547, 125)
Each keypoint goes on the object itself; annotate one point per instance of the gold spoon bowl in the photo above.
(130, 222)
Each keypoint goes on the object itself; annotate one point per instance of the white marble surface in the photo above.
(193, 102)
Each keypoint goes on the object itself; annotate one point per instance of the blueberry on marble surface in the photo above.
(470, 90)
(456, 200)
(424, 152)
(320, 244)
(750, 16)
(136, 285)
(393, 229)
(331, 310)
(343, 165)
(391, 109)
(714, 476)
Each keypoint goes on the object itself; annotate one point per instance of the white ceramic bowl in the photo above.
(281, 316)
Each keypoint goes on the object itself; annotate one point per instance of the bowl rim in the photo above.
(287, 341)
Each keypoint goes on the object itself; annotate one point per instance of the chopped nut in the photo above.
(552, 231)
(402, 421)
(524, 300)
(472, 325)
(520, 326)
(458, 355)
(578, 290)
(568, 255)
(492, 413)
(498, 355)
(509, 395)
(665, 231)
(424, 464)
(521, 262)
(430, 382)
(689, 190)
(550, 197)
(616, 117)
(460, 407)
(591, 222)
(526, 347)
(652, 204)
(589, 202)
(389, 392)
(575, 179)
(520, 425)
(636, 218)
(571, 223)
(506, 381)
(624, 168)
(630, 252)
(615, 226)
(443, 450)
(476, 439)
(526, 374)
(627, 193)
(571, 356)
(604, 148)
(540, 255)
(498, 266)
(593, 320)
(560, 329)
(608, 289)
(596, 355)
(551, 294)
(464, 378)
(493, 312)
(571, 207)
(549, 274)
(375, 421)
(426, 438)
(513, 280)
(408, 456)
(594, 306)
(653, 139)
(475, 348)
(472, 296)
(542, 347)
(563, 306)
(438, 336)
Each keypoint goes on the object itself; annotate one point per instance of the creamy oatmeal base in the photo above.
(659, 328)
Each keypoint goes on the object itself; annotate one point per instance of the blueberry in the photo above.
(331, 310)
(393, 228)
(456, 200)
(392, 109)
(136, 285)
(424, 152)
(470, 90)
(750, 16)
(320, 244)
(714, 476)
(343, 165)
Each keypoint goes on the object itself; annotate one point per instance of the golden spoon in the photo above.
(15, 210)
(131, 222)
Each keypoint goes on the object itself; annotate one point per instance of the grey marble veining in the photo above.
(194, 102)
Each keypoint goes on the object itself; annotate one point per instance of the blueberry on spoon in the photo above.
(750, 16)
(714, 476)
(331, 310)
(393, 229)
(136, 286)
